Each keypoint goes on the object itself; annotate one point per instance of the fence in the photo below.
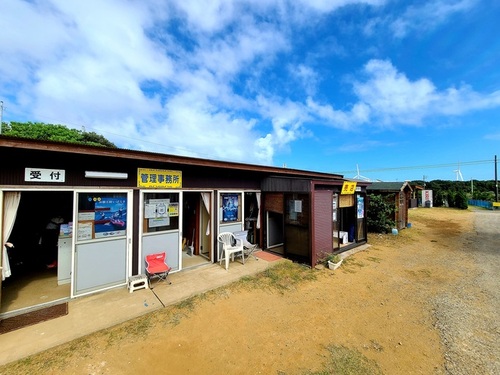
(479, 203)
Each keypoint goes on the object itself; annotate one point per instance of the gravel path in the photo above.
(467, 315)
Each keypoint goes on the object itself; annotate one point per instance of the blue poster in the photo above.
(230, 206)
(110, 217)
(361, 207)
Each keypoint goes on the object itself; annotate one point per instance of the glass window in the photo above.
(101, 215)
(297, 209)
(360, 215)
(161, 212)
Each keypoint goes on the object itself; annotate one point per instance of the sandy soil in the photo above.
(380, 303)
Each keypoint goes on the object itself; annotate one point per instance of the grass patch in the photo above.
(345, 361)
(419, 273)
(282, 277)
(351, 265)
(374, 259)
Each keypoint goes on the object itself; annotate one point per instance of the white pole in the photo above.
(1, 115)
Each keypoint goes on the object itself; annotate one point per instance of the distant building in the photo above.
(399, 193)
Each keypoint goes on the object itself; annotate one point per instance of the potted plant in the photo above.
(334, 261)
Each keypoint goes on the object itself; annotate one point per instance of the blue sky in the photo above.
(398, 89)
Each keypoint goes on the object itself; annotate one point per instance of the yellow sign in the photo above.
(173, 209)
(349, 187)
(496, 204)
(159, 178)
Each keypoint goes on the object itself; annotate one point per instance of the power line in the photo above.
(414, 167)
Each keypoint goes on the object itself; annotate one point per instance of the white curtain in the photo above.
(11, 203)
(257, 195)
(206, 202)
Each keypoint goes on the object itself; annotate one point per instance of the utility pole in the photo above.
(496, 181)
(1, 115)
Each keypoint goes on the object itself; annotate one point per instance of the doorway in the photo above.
(196, 229)
(34, 260)
(275, 232)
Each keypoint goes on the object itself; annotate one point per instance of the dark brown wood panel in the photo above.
(323, 222)
(274, 202)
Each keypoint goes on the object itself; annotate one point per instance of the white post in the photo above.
(1, 115)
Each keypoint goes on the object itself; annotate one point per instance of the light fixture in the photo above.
(112, 175)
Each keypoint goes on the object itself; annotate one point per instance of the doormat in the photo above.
(269, 257)
(33, 317)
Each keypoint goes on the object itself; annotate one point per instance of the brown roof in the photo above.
(76, 148)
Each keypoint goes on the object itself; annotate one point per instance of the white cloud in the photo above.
(393, 98)
(427, 15)
(287, 119)
(347, 120)
(307, 77)
(207, 16)
(213, 92)
(331, 5)
(457, 101)
(493, 136)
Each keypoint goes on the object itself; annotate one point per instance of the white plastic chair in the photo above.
(230, 246)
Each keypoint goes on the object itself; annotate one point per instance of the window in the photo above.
(297, 209)
(161, 212)
(101, 215)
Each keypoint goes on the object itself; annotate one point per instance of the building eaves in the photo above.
(80, 149)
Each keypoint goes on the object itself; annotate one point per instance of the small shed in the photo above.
(416, 196)
(397, 192)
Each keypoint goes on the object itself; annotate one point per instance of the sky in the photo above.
(388, 90)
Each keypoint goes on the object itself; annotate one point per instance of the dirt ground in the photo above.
(381, 303)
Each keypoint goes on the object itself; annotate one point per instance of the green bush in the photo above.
(380, 213)
(461, 201)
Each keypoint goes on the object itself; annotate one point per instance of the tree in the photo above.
(461, 201)
(51, 132)
(380, 213)
(444, 192)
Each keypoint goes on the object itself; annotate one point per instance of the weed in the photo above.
(281, 277)
(345, 361)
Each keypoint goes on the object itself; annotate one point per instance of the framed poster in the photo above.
(361, 207)
(230, 207)
(110, 217)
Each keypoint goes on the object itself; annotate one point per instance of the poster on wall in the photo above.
(361, 207)
(110, 217)
(156, 211)
(334, 207)
(84, 231)
(230, 206)
(173, 209)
